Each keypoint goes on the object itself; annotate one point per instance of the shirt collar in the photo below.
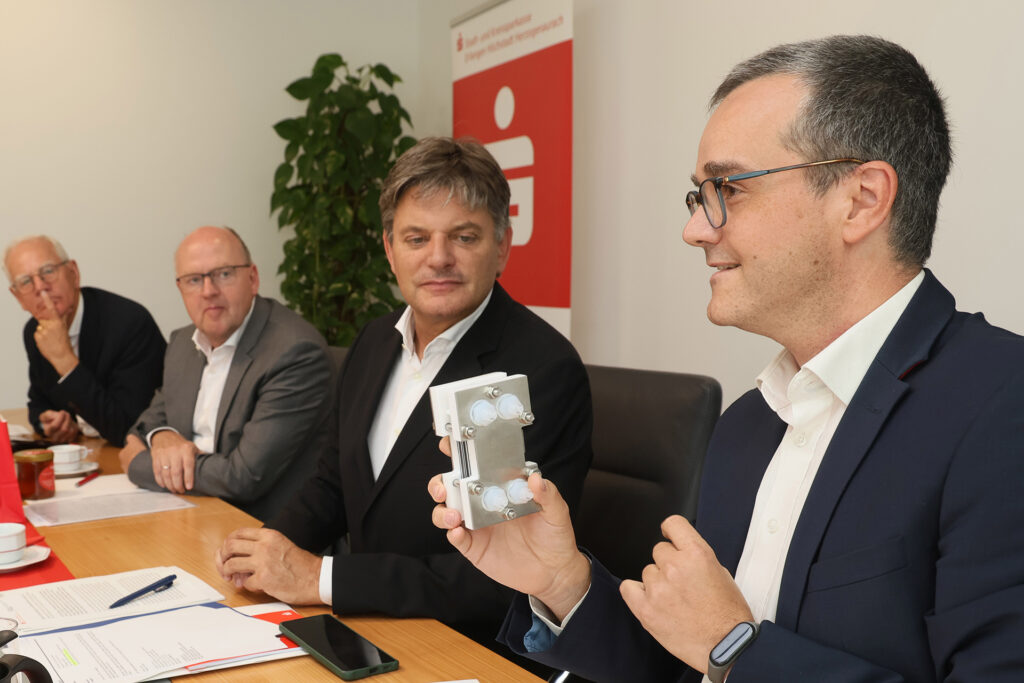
(442, 342)
(203, 343)
(76, 322)
(842, 364)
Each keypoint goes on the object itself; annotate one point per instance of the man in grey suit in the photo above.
(246, 387)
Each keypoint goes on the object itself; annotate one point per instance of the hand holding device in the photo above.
(534, 554)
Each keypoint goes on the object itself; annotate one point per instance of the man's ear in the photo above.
(870, 193)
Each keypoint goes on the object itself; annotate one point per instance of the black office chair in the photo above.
(651, 430)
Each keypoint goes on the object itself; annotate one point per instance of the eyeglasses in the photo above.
(48, 273)
(219, 277)
(714, 205)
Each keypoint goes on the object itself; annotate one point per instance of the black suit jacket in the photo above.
(907, 562)
(400, 564)
(121, 359)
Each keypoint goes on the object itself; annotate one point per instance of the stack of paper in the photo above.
(69, 627)
(62, 604)
(107, 496)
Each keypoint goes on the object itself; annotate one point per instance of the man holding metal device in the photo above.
(445, 210)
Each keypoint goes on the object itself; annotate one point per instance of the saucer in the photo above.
(33, 554)
(84, 467)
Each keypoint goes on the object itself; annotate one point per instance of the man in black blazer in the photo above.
(860, 515)
(445, 211)
(94, 357)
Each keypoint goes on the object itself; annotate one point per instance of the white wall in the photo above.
(643, 73)
(126, 123)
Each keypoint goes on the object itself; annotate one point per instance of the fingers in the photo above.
(48, 307)
(680, 532)
(446, 446)
(58, 425)
(437, 490)
(174, 466)
(461, 539)
(445, 517)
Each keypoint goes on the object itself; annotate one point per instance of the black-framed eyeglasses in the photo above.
(48, 273)
(219, 277)
(714, 204)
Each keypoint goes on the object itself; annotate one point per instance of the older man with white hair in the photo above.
(95, 358)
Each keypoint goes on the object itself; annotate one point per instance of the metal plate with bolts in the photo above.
(485, 417)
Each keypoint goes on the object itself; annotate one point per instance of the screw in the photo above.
(492, 392)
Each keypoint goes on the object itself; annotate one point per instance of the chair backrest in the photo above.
(651, 430)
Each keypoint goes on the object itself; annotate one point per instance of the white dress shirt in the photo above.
(211, 386)
(410, 377)
(811, 400)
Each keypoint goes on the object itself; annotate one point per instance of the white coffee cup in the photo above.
(67, 458)
(12, 542)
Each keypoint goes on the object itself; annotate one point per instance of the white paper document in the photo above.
(85, 508)
(74, 602)
(151, 645)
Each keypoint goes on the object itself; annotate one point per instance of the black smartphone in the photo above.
(338, 647)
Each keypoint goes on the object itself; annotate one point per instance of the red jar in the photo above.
(35, 473)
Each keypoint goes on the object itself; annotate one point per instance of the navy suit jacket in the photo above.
(907, 562)
(401, 564)
(121, 359)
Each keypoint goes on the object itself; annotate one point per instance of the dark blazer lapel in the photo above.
(240, 362)
(463, 362)
(738, 458)
(908, 345)
(181, 409)
(357, 420)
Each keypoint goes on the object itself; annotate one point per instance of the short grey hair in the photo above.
(868, 99)
(57, 247)
(463, 169)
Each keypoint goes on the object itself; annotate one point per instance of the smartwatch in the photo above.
(724, 655)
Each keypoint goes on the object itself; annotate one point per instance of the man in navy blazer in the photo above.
(94, 358)
(447, 236)
(860, 515)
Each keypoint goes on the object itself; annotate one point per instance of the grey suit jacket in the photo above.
(270, 422)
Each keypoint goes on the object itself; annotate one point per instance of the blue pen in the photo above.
(155, 587)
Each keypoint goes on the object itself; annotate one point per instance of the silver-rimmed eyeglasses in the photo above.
(219, 277)
(48, 273)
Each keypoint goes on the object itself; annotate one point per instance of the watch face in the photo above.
(732, 644)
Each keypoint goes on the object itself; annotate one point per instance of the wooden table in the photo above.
(427, 650)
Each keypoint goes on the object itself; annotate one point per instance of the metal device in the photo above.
(485, 417)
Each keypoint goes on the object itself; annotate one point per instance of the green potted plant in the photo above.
(336, 274)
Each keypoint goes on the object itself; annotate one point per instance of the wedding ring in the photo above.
(167, 467)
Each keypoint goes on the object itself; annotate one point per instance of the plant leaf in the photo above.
(361, 124)
(290, 129)
(301, 89)
(330, 61)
